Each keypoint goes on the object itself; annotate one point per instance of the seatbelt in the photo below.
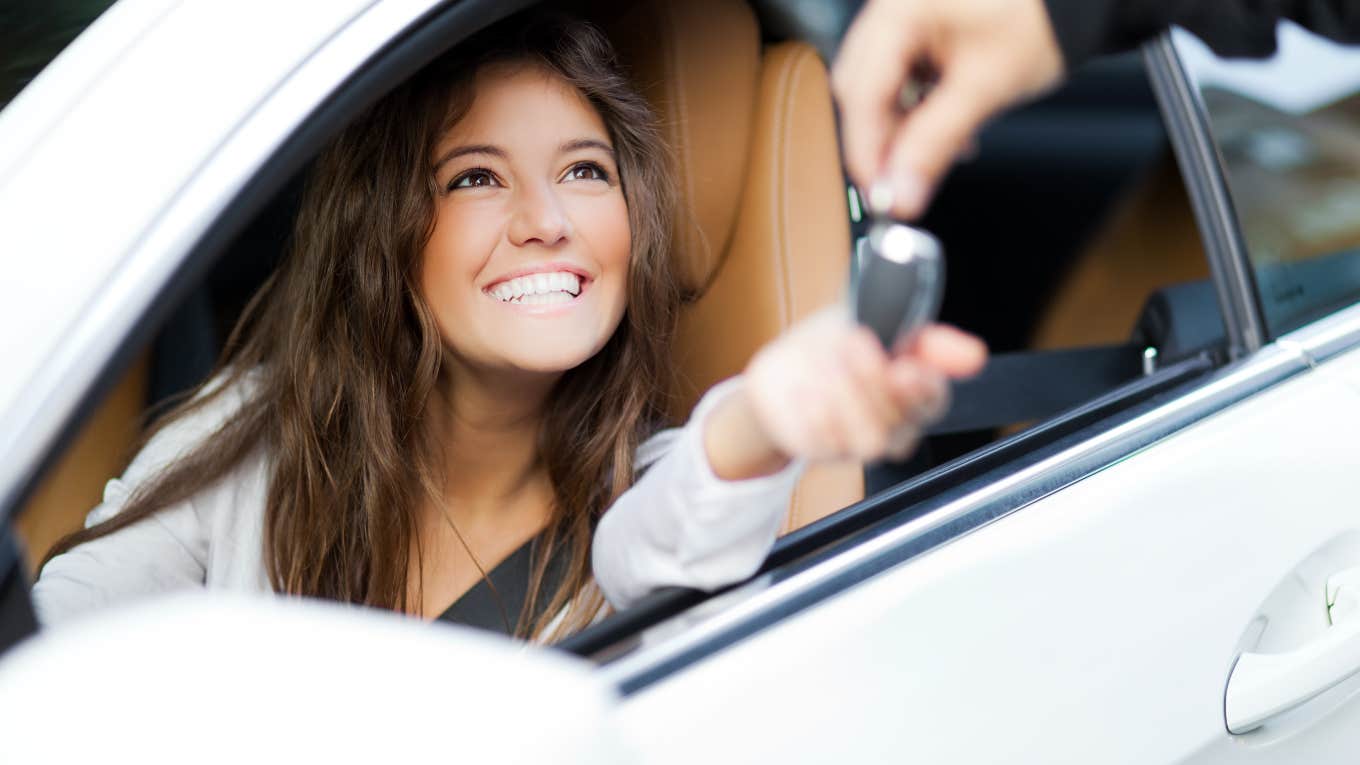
(1035, 385)
(495, 602)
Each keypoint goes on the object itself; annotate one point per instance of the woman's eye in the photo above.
(587, 171)
(473, 179)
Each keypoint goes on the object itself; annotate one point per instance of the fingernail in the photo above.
(881, 198)
(908, 193)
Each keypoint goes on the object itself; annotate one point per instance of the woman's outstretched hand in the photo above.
(827, 390)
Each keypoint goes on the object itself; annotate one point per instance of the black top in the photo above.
(1234, 28)
(495, 603)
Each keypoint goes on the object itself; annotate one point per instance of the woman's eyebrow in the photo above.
(586, 143)
(472, 148)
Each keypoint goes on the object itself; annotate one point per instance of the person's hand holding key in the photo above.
(987, 55)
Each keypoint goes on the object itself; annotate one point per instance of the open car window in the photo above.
(1072, 252)
(1288, 130)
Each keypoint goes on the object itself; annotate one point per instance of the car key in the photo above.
(901, 282)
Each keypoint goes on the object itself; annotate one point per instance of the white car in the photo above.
(1140, 550)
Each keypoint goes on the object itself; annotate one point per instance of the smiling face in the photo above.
(527, 267)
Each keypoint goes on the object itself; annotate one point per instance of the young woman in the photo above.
(461, 361)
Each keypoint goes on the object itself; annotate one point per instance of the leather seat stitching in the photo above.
(789, 276)
(783, 119)
(677, 94)
(777, 188)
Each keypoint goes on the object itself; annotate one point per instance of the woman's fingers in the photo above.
(868, 364)
(827, 390)
(902, 443)
(950, 350)
(870, 411)
(919, 390)
(882, 406)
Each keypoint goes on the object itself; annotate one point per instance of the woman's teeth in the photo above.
(539, 289)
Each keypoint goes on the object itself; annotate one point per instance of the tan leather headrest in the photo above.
(790, 251)
(763, 238)
(698, 63)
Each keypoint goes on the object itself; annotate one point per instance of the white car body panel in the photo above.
(208, 677)
(76, 70)
(87, 191)
(1097, 624)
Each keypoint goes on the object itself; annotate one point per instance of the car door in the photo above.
(1170, 586)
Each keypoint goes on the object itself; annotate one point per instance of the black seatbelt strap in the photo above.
(1035, 385)
(496, 606)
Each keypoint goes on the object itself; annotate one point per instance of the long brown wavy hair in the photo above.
(344, 354)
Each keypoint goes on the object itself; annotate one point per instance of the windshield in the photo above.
(1288, 129)
(33, 32)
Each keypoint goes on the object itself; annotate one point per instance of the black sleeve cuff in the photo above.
(1088, 28)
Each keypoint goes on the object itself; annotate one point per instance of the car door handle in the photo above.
(1263, 685)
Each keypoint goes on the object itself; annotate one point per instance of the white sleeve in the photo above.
(165, 551)
(681, 525)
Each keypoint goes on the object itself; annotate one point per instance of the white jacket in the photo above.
(678, 525)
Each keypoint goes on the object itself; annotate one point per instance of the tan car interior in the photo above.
(1101, 295)
(75, 484)
(765, 229)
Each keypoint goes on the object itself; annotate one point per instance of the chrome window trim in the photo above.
(1187, 125)
(1327, 337)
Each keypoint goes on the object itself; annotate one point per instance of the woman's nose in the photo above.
(538, 216)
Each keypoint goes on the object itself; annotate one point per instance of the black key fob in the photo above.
(901, 282)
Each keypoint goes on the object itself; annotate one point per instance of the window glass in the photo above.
(33, 32)
(1288, 130)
